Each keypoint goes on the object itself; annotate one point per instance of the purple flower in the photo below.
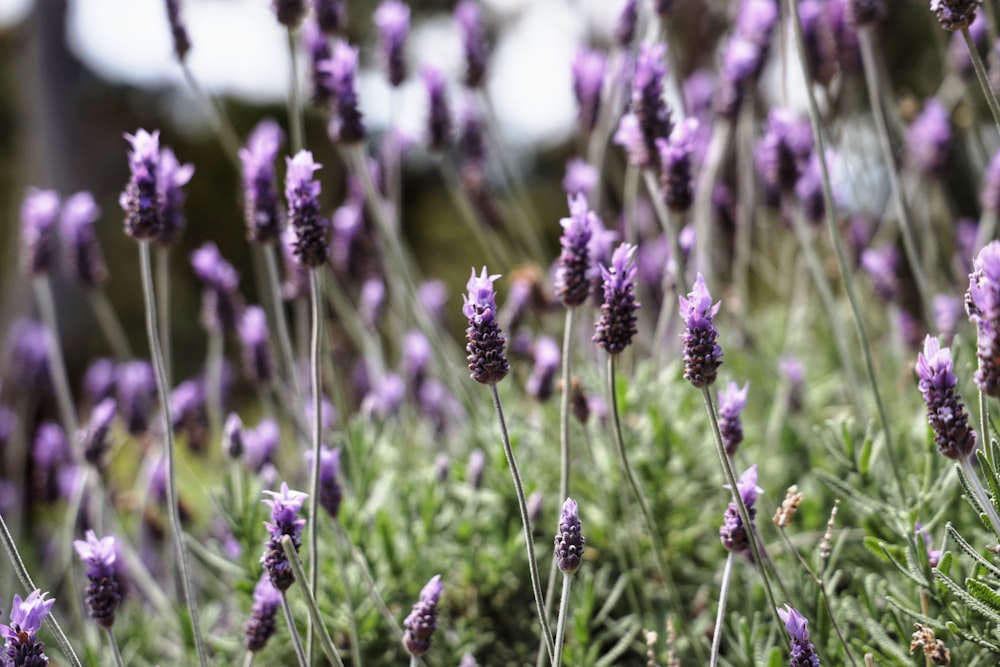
(947, 309)
(21, 645)
(820, 49)
(541, 382)
(629, 136)
(28, 346)
(172, 177)
(675, 164)
(958, 53)
(330, 492)
(178, 31)
(734, 534)
(732, 400)
(702, 355)
(474, 471)
(864, 12)
(473, 34)
(342, 68)
(588, 76)
(295, 283)
(795, 375)
(982, 302)
(741, 62)
(581, 177)
(933, 555)
(221, 301)
(260, 444)
(289, 12)
(783, 150)
(261, 206)
(262, 623)
(232, 436)
(99, 380)
(417, 355)
(945, 409)
(955, 14)
(422, 620)
(928, 140)
(393, 21)
(617, 324)
(330, 15)
(438, 127)
(575, 272)
(136, 384)
(39, 213)
(141, 200)
(485, 347)
(50, 453)
(803, 652)
(569, 539)
(302, 192)
(95, 436)
(809, 188)
(285, 520)
(625, 26)
(648, 105)
(371, 302)
(84, 260)
(882, 266)
(385, 397)
(317, 45)
(843, 28)
(471, 144)
(106, 587)
(189, 412)
(989, 197)
(258, 356)
(756, 20)
(433, 295)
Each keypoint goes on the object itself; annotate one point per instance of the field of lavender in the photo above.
(719, 421)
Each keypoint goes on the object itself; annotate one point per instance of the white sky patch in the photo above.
(13, 11)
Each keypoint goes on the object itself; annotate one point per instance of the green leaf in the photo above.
(866, 502)
(916, 616)
(962, 544)
(976, 639)
(971, 602)
(864, 460)
(984, 594)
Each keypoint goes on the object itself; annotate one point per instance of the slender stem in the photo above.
(163, 304)
(867, 42)
(315, 366)
(414, 661)
(300, 578)
(563, 615)
(217, 115)
(114, 648)
(671, 230)
(536, 587)
(296, 640)
(152, 331)
(727, 469)
(838, 245)
(984, 420)
(280, 320)
(216, 354)
(57, 367)
(977, 487)
(248, 659)
(109, 323)
(22, 574)
(294, 99)
(631, 195)
(343, 549)
(721, 613)
(721, 133)
(984, 80)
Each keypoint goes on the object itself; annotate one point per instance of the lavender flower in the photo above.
(945, 409)
(732, 400)
(289, 12)
(260, 444)
(393, 21)
(487, 361)
(423, 619)
(302, 192)
(232, 436)
(989, 197)
(803, 652)
(629, 136)
(172, 177)
(439, 125)
(741, 61)
(417, 355)
(474, 471)
(331, 15)
(628, 19)
(809, 189)
(617, 324)
(342, 68)
(647, 97)
(106, 587)
(581, 177)
(21, 645)
(285, 506)
(675, 164)
(140, 199)
(258, 356)
(928, 139)
(262, 623)
(99, 380)
(947, 309)
(28, 345)
(178, 31)
(330, 491)
(588, 76)
(471, 145)
(864, 12)
(933, 555)
(795, 375)
(541, 382)
(49, 453)
(470, 27)
(783, 150)
(575, 272)
(95, 437)
(702, 355)
(371, 302)
(221, 302)
(84, 260)
(734, 534)
(317, 46)
(955, 14)
(189, 412)
(261, 206)
(959, 57)
(820, 49)
(136, 384)
(982, 302)
(882, 266)
(569, 539)
(39, 213)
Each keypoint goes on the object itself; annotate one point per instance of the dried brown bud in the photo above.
(824, 545)
(933, 648)
(783, 517)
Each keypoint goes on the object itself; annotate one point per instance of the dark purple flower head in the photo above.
(629, 136)
(21, 646)
(221, 304)
(945, 409)
(843, 28)
(417, 354)
(99, 380)
(330, 491)
(702, 355)
(258, 355)
(809, 188)
(955, 14)
(958, 53)
(541, 382)
(947, 310)
(569, 539)
(317, 46)
(628, 20)
(262, 209)
(575, 272)
(485, 347)
(421, 623)
(28, 346)
(741, 61)
(820, 47)
(471, 142)
(588, 76)
(178, 31)
(289, 12)
(617, 325)
(232, 436)
(136, 384)
(581, 177)
(39, 213)
(882, 266)
(473, 34)
(262, 623)
(989, 197)
(347, 125)
(933, 555)
(864, 12)
(95, 436)
(648, 104)
(84, 261)
(982, 302)
(393, 21)
(783, 150)
(734, 534)
(385, 397)
(439, 125)
(173, 176)
(476, 466)
(732, 400)
(330, 15)
(260, 444)
(676, 164)
(302, 191)
(285, 506)
(50, 453)
(803, 652)
(106, 587)
(189, 412)
(141, 200)
(928, 139)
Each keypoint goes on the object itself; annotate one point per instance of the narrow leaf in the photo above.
(962, 544)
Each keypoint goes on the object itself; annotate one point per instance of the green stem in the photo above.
(280, 320)
(109, 323)
(217, 116)
(163, 304)
(315, 367)
(721, 134)
(563, 615)
(984, 81)
(57, 367)
(114, 648)
(152, 331)
(294, 99)
(248, 659)
(296, 640)
(984, 421)
(300, 578)
(977, 487)
(536, 587)
(213, 384)
(671, 230)
(721, 613)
